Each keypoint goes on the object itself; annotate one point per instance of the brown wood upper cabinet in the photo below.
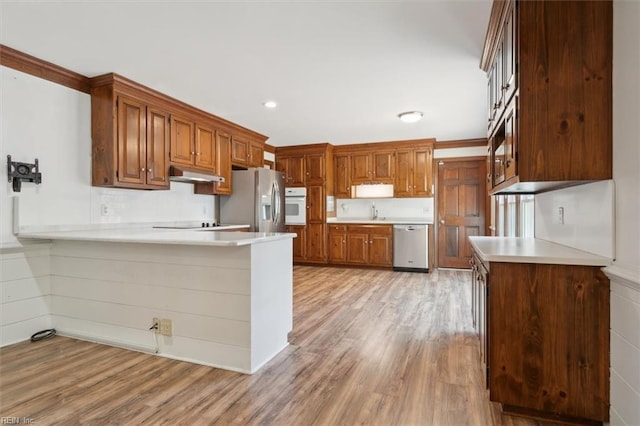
(192, 144)
(372, 167)
(293, 169)
(407, 165)
(342, 177)
(246, 153)
(414, 173)
(130, 149)
(138, 132)
(549, 67)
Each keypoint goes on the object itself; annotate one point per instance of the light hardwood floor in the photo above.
(368, 347)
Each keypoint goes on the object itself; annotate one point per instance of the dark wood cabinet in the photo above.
(299, 243)
(293, 169)
(337, 243)
(314, 169)
(544, 337)
(370, 245)
(316, 243)
(205, 143)
(182, 141)
(407, 165)
(310, 166)
(372, 167)
(223, 161)
(342, 178)
(549, 67)
(129, 149)
(137, 133)
(246, 153)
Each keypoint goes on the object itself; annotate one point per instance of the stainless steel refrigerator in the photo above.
(257, 199)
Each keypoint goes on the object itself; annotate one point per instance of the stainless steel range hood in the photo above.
(178, 174)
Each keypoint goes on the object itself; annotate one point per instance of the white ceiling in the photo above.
(340, 71)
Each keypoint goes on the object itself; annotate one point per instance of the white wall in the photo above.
(44, 120)
(625, 272)
(25, 284)
(587, 221)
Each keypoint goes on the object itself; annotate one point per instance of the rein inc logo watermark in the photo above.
(16, 420)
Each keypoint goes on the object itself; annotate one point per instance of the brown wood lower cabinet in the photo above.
(361, 245)
(299, 243)
(547, 338)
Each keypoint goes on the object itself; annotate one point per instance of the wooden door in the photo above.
(461, 210)
(403, 186)
(316, 251)
(423, 172)
(341, 176)
(299, 242)
(239, 151)
(296, 170)
(380, 249)
(511, 140)
(360, 170)
(182, 145)
(357, 247)
(282, 165)
(131, 141)
(337, 244)
(383, 167)
(205, 144)
(509, 54)
(315, 203)
(314, 169)
(256, 155)
(223, 162)
(158, 140)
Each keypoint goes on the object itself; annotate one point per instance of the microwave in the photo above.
(295, 206)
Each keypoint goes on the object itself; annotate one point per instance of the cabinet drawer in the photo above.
(337, 228)
(371, 229)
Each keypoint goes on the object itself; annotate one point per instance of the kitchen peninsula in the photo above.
(227, 294)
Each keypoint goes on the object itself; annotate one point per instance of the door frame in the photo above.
(436, 222)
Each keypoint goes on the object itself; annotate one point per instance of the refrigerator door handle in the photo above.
(273, 202)
(277, 206)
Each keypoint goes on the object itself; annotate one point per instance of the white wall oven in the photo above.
(295, 203)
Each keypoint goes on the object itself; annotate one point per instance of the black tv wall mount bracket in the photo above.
(22, 172)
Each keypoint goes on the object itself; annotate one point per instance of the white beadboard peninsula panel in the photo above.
(588, 222)
(226, 303)
(271, 300)
(24, 292)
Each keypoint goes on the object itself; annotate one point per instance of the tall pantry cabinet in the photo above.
(310, 166)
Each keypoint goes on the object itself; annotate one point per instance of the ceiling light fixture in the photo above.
(270, 104)
(410, 116)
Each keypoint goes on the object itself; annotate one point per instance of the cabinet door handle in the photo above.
(442, 221)
(193, 153)
(142, 169)
(506, 87)
(149, 170)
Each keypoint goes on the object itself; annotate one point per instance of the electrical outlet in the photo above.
(105, 210)
(561, 215)
(156, 324)
(166, 327)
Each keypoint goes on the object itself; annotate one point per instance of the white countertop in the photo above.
(532, 250)
(380, 221)
(149, 235)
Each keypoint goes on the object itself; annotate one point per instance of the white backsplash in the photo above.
(588, 217)
(397, 208)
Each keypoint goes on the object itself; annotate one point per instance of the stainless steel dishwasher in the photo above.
(411, 248)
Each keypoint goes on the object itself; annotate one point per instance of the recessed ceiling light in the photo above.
(270, 104)
(410, 116)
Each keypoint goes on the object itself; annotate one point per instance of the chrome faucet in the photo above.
(374, 211)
